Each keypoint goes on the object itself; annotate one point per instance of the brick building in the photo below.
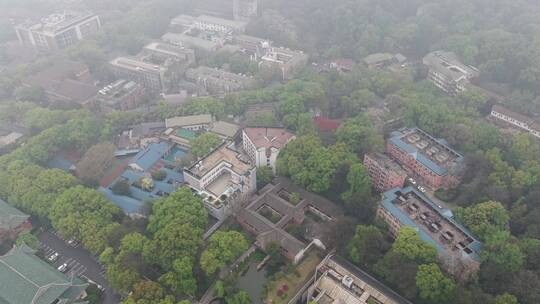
(426, 158)
(385, 173)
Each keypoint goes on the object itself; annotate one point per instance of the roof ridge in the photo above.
(17, 272)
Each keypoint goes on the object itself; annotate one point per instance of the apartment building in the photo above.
(385, 173)
(209, 23)
(221, 177)
(149, 75)
(168, 53)
(448, 73)
(217, 81)
(263, 145)
(336, 280)
(458, 249)
(426, 158)
(286, 60)
(254, 45)
(58, 31)
(517, 120)
(121, 95)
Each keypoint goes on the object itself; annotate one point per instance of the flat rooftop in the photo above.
(169, 49)
(225, 156)
(436, 225)
(432, 152)
(448, 64)
(136, 65)
(386, 162)
(269, 137)
(189, 41)
(341, 282)
(235, 24)
(57, 22)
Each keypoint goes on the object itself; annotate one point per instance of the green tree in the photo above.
(359, 182)
(240, 297)
(502, 252)
(223, 247)
(367, 246)
(203, 144)
(265, 175)
(433, 285)
(506, 298)
(180, 279)
(360, 135)
(409, 244)
(484, 219)
(28, 239)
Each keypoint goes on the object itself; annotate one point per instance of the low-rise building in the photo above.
(380, 60)
(192, 122)
(263, 145)
(121, 95)
(210, 23)
(164, 52)
(448, 73)
(12, 222)
(188, 41)
(287, 61)
(458, 249)
(517, 120)
(149, 75)
(225, 130)
(385, 173)
(58, 31)
(222, 177)
(426, 158)
(336, 280)
(24, 278)
(254, 45)
(217, 81)
(280, 204)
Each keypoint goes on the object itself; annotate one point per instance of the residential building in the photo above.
(326, 125)
(188, 41)
(245, 9)
(342, 65)
(286, 60)
(210, 23)
(149, 75)
(385, 173)
(254, 45)
(8, 138)
(381, 60)
(426, 158)
(263, 145)
(281, 204)
(337, 280)
(25, 278)
(517, 120)
(225, 130)
(121, 95)
(222, 177)
(192, 123)
(65, 82)
(58, 31)
(448, 73)
(458, 249)
(217, 81)
(12, 222)
(164, 52)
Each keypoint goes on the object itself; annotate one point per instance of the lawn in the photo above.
(291, 283)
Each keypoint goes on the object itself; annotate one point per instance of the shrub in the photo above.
(159, 175)
(121, 187)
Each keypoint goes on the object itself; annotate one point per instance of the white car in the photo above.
(53, 257)
(422, 189)
(412, 181)
(63, 268)
(73, 242)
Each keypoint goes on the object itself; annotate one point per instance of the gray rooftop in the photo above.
(448, 64)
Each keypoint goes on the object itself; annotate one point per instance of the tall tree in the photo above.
(433, 285)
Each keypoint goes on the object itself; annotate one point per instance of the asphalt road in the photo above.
(80, 262)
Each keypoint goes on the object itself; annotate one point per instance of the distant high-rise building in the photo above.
(245, 9)
(58, 31)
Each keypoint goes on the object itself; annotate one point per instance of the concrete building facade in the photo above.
(448, 73)
(286, 60)
(217, 81)
(149, 75)
(263, 145)
(58, 31)
(385, 173)
(517, 120)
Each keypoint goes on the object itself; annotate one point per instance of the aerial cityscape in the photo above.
(269, 152)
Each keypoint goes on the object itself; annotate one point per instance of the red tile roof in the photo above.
(326, 124)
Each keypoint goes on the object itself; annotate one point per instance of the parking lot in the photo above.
(79, 262)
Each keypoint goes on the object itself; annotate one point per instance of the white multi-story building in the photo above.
(58, 31)
(448, 73)
(221, 177)
(517, 120)
(149, 75)
(209, 23)
(263, 145)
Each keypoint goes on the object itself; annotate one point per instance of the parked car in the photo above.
(53, 257)
(411, 180)
(63, 268)
(422, 189)
(73, 242)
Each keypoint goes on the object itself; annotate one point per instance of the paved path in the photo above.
(80, 263)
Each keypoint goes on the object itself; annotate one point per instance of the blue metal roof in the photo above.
(127, 204)
(152, 154)
(405, 220)
(397, 140)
